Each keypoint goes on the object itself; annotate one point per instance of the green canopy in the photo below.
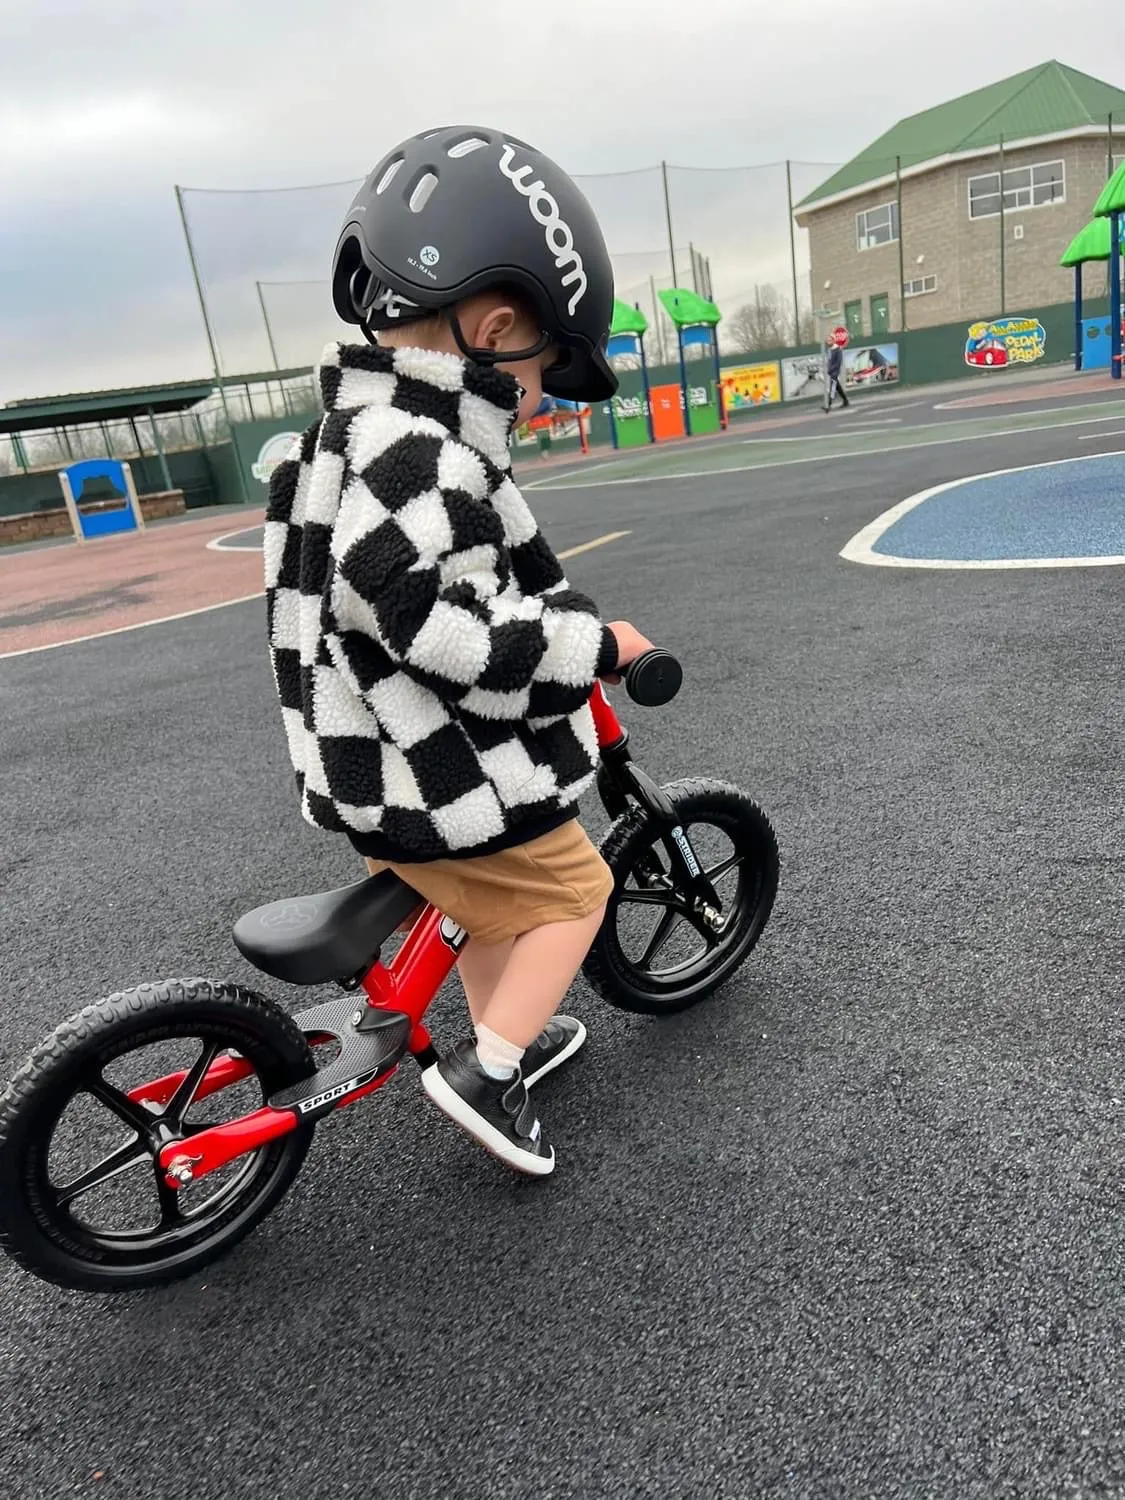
(627, 319)
(1111, 200)
(689, 309)
(1091, 243)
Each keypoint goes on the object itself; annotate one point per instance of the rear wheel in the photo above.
(83, 1201)
(653, 954)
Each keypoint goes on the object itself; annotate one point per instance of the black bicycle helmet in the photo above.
(455, 211)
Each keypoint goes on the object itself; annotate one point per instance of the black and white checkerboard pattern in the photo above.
(433, 664)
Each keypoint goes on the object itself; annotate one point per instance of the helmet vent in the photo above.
(465, 147)
(423, 188)
(389, 175)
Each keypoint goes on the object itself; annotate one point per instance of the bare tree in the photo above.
(767, 323)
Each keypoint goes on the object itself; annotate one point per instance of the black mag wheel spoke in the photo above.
(111, 1166)
(134, 1115)
(665, 898)
(660, 936)
(724, 867)
(182, 1100)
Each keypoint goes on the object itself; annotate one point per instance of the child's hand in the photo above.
(630, 644)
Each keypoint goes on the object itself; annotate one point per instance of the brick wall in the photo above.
(963, 253)
(41, 524)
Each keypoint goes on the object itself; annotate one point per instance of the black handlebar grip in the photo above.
(653, 678)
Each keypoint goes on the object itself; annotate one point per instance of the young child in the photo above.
(433, 664)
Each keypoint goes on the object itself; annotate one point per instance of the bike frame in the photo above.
(405, 988)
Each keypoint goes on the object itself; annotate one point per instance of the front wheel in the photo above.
(653, 954)
(83, 1201)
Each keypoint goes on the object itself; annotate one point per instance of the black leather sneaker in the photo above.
(560, 1038)
(495, 1112)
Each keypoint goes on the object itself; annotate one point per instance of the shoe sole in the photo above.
(449, 1101)
(557, 1061)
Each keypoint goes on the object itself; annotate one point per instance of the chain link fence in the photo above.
(261, 256)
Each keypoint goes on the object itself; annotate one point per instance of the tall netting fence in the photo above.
(262, 257)
(748, 247)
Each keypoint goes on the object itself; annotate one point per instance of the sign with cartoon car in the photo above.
(1005, 341)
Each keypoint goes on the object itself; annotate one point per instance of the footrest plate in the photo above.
(372, 1042)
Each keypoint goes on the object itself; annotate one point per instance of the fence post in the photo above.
(1003, 290)
(901, 248)
(269, 330)
(656, 323)
(210, 341)
(793, 253)
(668, 220)
(167, 477)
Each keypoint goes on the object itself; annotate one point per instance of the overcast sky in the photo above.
(106, 104)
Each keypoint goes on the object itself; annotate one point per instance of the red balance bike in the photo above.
(152, 1131)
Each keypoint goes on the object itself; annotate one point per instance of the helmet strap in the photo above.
(492, 356)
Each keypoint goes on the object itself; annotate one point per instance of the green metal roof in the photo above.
(105, 406)
(1042, 101)
(101, 406)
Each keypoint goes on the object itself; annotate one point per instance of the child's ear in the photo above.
(493, 327)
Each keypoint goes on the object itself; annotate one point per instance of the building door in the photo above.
(880, 314)
(853, 319)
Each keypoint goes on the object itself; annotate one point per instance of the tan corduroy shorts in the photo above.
(560, 877)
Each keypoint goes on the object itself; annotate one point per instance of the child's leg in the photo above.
(478, 1084)
(480, 967)
(552, 893)
(540, 969)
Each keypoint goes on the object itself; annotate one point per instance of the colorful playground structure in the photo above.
(643, 413)
(1098, 341)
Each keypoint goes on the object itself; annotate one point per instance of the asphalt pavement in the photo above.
(851, 1230)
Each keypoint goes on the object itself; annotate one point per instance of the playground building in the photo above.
(915, 230)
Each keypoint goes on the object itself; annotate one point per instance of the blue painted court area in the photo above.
(1061, 510)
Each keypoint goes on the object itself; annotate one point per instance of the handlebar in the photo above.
(653, 678)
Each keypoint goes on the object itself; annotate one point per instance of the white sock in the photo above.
(498, 1058)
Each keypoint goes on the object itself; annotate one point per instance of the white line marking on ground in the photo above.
(99, 635)
(969, 403)
(216, 543)
(859, 549)
(187, 614)
(827, 458)
(816, 437)
(599, 541)
(1096, 437)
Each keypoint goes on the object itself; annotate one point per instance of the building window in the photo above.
(919, 286)
(876, 226)
(1024, 187)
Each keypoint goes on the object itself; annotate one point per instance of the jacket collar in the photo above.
(475, 403)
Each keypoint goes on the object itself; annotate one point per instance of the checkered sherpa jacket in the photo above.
(433, 664)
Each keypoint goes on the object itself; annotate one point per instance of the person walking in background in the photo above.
(833, 385)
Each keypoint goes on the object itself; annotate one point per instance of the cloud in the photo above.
(108, 103)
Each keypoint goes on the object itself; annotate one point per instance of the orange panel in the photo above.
(667, 412)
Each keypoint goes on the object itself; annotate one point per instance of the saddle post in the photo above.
(418, 970)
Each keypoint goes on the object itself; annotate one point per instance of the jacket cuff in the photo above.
(607, 656)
